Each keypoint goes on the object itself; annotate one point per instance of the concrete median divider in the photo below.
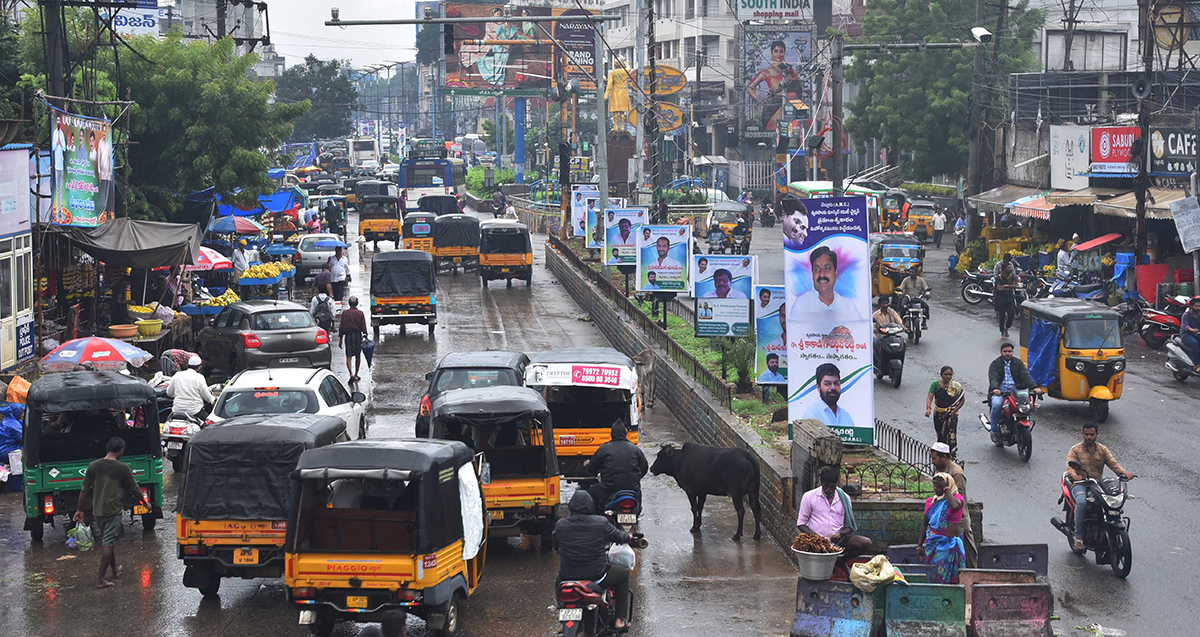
(1018, 557)
(833, 609)
(971, 577)
(926, 610)
(1011, 610)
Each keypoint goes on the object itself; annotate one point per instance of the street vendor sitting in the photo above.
(826, 511)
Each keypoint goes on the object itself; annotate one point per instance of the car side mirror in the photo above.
(358, 397)
(428, 375)
(1074, 465)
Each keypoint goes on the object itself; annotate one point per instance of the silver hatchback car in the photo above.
(309, 258)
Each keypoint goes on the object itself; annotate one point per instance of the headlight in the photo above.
(1118, 366)
(1023, 408)
(1080, 366)
(1113, 501)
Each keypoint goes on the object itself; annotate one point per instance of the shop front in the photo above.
(16, 258)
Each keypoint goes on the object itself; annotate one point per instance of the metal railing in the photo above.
(690, 364)
(888, 478)
(684, 310)
(904, 447)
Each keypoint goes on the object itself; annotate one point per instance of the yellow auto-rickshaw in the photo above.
(379, 216)
(892, 256)
(920, 219)
(1075, 349)
(894, 211)
(417, 231)
(385, 524)
(505, 252)
(456, 242)
(239, 532)
(403, 289)
(511, 427)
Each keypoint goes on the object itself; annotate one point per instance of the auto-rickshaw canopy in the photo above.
(439, 204)
(490, 413)
(491, 407)
(456, 230)
(376, 188)
(240, 469)
(414, 219)
(403, 273)
(504, 236)
(599, 366)
(1061, 310)
(84, 391)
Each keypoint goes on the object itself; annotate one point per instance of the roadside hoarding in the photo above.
(82, 162)
(776, 67)
(670, 79)
(1173, 150)
(622, 227)
(791, 10)
(1110, 148)
(722, 287)
(1070, 154)
(592, 228)
(663, 257)
(580, 224)
(770, 331)
(15, 207)
(486, 68)
(1186, 213)
(578, 56)
(827, 273)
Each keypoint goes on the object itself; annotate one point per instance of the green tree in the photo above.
(325, 84)
(489, 135)
(918, 100)
(429, 43)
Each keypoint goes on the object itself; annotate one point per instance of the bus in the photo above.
(428, 171)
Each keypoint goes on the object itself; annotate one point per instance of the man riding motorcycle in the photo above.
(621, 466)
(1093, 457)
(582, 541)
(716, 235)
(742, 229)
(1006, 374)
(190, 391)
(915, 287)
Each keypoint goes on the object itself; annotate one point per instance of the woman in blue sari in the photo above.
(943, 545)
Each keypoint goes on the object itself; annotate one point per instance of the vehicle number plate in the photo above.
(626, 518)
(506, 269)
(174, 445)
(140, 510)
(570, 614)
(245, 556)
(497, 515)
(356, 601)
(566, 441)
(457, 259)
(284, 361)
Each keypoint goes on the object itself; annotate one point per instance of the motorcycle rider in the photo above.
(190, 391)
(917, 290)
(498, 201)
(1093, 457)
(620, 464)
(741, 230)
(1189, 331)
(582, 540)
(716, 235)
(1006, 374)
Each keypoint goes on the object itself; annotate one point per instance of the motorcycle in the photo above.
(1158, 326)
(1179, 361)
(977, 287)
(889, 353)
(623, 509)
(960, 240)
(588, 609)
(741, 244)
(1016, 422)
(497, 210)
(717, 243)
(177, 430)
(1105, 528)
(913, 315)
(766, 215)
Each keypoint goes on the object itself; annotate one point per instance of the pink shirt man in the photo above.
(821, 515)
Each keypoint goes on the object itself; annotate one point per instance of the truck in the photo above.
(363, 149)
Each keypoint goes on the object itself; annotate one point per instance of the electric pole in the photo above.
(1143, 181)
(651, 122)
(837, 45)
(975, 124)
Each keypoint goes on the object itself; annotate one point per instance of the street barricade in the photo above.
(970, 577)
(926, 610)
(1024, 557)
(832, 609)
(1011, 610)
(903, 554)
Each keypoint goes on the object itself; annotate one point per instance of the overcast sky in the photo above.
(298, 28)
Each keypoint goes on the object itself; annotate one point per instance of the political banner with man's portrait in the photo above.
(827, 280)
(621, 228)
(722, 285)
(579, 208)
(770, 331)
(82, 153)
(663, 255)
(590, 227)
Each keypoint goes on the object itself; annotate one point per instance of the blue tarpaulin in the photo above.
(10, 428)
(276, 173)
(1123, 265)
(1043, 351)
(279, 201)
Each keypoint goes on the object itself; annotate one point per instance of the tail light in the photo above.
(250, 341)
(298, 257)
(48, 505)
(304, 592)
(406, 595)
(146, 495)
(322, 336)
(426, 406)
(195, 549)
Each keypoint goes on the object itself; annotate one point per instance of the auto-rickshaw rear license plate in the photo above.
(457, 259)
(570, 614)
(506, 269)
(245, 556)
(140, 510)
(174, 445)
(626, 518)
(356, 601)
(497, 515)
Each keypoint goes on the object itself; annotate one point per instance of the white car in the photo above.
(291, 391)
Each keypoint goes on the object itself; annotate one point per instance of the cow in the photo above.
(644, 360)
(702, 471)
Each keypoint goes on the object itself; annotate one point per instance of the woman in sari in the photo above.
(945, 398)
(943, 545)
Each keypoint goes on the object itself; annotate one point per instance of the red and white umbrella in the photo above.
(209, 259)
(94, 352)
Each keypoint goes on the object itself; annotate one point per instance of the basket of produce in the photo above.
(149, 327)
(816, 556)
(122, 331)
(141, 312)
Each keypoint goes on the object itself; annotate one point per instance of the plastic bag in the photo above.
(622, 555)
(81, 538)
(878, 571)
(18, 389)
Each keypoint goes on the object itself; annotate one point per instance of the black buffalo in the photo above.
(702, 471)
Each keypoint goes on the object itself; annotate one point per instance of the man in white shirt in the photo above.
(663, 246)
(241, 262)
(339, 267)
(822, 298)
(723, 286)
(772, 374)
(939, 227)
(829, 388)
(190, 391)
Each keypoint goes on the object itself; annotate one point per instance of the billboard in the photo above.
(827, 272)
(621, 228)
(581, 226)
(587, 225)
(1111, 148)
(1070, 154)
(770, 331)
(722, 288)
(776, 67)
(663, 254)
(490, 67)
(15, 206)
(578, 39)
(143, 20)
(82, 162)
(792, 10)
(1172, 150)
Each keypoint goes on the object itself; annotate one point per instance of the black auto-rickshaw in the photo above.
(417, 231)
(456, 242)
(893, 255)
(233, 501)
(403, 289)
(69, 419)
(505, 252)
(511, 427)
(439, 205)
(378, 203)
(1075, 349)
(381, 525)
(350, 188)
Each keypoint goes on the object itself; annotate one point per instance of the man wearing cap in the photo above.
(190, 391)
(241, 262)
(942, 462)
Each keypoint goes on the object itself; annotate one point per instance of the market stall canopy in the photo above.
(279, 201)
(1098, 241)
(712, 160)
(276, 173)
(1034, 207)
(141, 245)
(1085, 196)
(996, 199)
(1158, 206)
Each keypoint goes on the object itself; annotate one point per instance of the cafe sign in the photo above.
(1172, 150)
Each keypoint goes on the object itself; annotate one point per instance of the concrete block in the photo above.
(832, 609)
(1033, 557)
(1012, 610)
(970, 577)
(926, 610)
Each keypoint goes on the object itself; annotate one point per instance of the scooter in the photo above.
(1179, 361)
(1158, 326)
(497, 210)
(913, 315)
(1016, 422)
(177, 430)
(1105, 527)
(587, 608)
(960, 240)
(889, 353)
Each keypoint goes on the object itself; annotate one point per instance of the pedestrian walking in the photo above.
(945, 398)
(351, 332)
(1006, 297)
(323, 282)
(939, 227)
(108, 480)
(939, 457)
(321, 309)
(339, 268)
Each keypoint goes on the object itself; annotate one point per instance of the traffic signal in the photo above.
(448, 39)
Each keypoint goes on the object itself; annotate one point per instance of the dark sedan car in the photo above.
(258, 334)
(468, 370)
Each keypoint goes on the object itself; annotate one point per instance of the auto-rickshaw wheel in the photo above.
(177, 464)
(148, 522)
(483, 280)
(403, 328)
(431, 326)
(453, 617)
(214, 585)
(37, 531)
(529, 281)
(375, 329)
(509, 283)
(1099, 409)
(323, 626)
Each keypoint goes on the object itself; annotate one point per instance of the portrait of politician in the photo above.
(662, 247)
(829, 387)
(823, 297)
(652, 281)
(795, 224)
(723, 286)
(772, 374)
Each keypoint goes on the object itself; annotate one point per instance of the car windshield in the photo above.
(424, 176)
(900, 252)
(308, 244)
(283, 320)
(1093, 334)
(725, 216)
(266, 400)
(449, 379)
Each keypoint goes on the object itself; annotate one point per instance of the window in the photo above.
(263, 400)
(6, 281)
(689, 9)
(473, 378)
(333, 393)
(1090, 51)
(287, 320)
(24, 281)
(711, 46)
(223, 318)
(1093, 334)
(689, 51)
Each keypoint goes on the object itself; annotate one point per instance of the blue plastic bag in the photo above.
(10, 427)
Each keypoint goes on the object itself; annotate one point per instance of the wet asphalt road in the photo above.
(701, 584)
